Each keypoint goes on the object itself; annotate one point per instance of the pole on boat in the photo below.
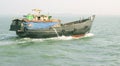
(37, 11)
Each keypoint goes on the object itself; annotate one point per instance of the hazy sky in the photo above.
(100, 7)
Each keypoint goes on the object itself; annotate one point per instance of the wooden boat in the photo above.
(50, 28)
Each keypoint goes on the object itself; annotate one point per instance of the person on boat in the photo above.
(46, 18)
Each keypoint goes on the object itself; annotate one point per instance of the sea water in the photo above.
(101, 47)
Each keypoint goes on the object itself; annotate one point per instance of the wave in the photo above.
(13, 39)
(59, 38)
(7, 39)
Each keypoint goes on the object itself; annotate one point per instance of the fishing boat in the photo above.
(42, 26)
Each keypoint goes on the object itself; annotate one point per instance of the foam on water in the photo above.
(12, 39)
(60, 38)
(89, 35)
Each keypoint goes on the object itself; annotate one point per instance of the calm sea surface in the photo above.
(102, 49)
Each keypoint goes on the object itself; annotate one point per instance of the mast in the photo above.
(37, 11)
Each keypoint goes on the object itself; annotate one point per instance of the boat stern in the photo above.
(15, 25)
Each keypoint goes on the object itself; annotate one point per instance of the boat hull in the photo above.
(67, 29)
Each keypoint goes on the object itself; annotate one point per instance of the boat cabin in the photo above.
(37, 17)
